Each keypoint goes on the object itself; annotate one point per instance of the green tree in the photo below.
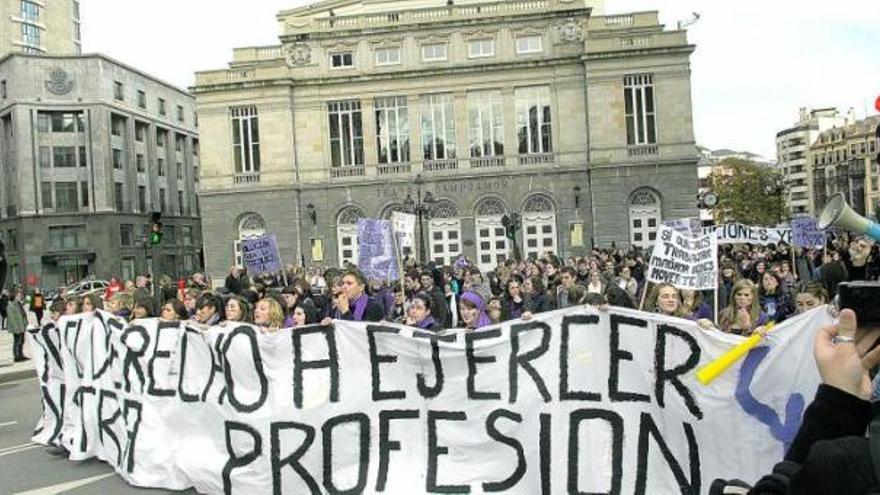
(748, 193)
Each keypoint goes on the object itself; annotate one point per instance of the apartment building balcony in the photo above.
(246, 178)
(537, 158)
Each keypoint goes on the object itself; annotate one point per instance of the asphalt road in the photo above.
(26, 468)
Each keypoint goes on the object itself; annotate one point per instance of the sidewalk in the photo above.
(9, 370)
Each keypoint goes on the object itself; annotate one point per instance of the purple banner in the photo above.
(376, 252)
(260, 255)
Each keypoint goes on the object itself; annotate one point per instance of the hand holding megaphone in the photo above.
(838, 213)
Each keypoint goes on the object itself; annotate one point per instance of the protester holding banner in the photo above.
(743, 312)
(92, 302)
(812, 295)
(122, 302)
(208, 309)
(420, 313)
(665, 299)
(268, 314)
(473, 311)
(237, 310)
(350, 302)
(173, 310)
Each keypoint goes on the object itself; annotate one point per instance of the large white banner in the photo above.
(737, 233)
(683, 261)
(574, 401)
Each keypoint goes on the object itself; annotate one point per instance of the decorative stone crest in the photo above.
(298, 54)
(570, 31)
(59, 82)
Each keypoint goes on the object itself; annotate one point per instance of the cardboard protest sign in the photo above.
(576, 400)
(684, 261)
(377, 257)
(689, 226)
(737, 233)
(805, 233)
(260, 255)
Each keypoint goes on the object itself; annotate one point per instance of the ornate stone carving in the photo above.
(59, 82)
(644, 197)
(490, 207)
(570, 31)
(251, 225)
(298, 54)
(444, 209)
(538, 203)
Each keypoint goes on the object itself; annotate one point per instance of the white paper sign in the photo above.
(737, 233)
(575, 400)
(683, 261)
(404, 226)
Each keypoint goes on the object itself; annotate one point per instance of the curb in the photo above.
(15, 375)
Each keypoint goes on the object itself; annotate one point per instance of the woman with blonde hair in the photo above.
(268, 314)
(666, 299)
(743, 313)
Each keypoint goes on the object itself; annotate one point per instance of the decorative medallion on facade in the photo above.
(569, 31)
(59, 82)
(298, 54)
(490, 207)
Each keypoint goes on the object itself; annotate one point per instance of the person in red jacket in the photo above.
(114, 287)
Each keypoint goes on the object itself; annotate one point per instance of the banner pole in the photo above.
(716, 305)
(644, 294)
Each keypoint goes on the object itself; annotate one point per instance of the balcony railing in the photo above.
(394, 168)
(487, 161)
(642, 150)
(536, 158)
(247, 178)
(440, 165)
(341, 172)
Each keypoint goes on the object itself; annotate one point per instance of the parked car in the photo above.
(86, 287)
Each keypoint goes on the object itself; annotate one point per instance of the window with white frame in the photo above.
(538, 226)
(341, 60)
(644, 217)
(444, 233)
(485, 116)
(392, 129)
(434, 52)
(30, 35)
(438, 126)
(534, 120)
(245, 139)
(346, 133)
(532, 43)
(638, 95)
(346, 234)
(30, 11)
(388, 55)
(481, 48)
(492, 243)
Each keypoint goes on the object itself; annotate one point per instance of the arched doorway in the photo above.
(492, 245)
(250, 225)
(538, 226)
(645, 215)
(444, 233)
(346, 234)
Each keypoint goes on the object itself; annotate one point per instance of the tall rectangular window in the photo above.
(179, 171)
(117, 125)
(181, 205)
(30, 11)
(140, 131)
(346, 133)
(118, 91)
(65, 196)
(392, 129)
(30, 35)
(162, 110)
(388, 55)
(160, 167)
(438, 126)
(533, 120)
(84, 193)
(126, 234)
(119, 196)
(180, 116)
(434, 52)
(485, 115)
(64, 156)
(162, 200)
(142, 199)
(117, 159)
(83, 158)
(142, 99)
(140, 162)
(45, 157)
(245, 139)
(638, 96)
(46, 192)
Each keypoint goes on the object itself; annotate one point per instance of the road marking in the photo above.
(19, 449)
(8, 423)
(70, 485)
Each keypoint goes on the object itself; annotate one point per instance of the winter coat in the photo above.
(16, 320)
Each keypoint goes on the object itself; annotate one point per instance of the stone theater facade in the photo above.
(578, 122)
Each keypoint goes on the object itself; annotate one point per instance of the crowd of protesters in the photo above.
(757, 284)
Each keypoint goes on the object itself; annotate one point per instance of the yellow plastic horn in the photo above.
(707, 374)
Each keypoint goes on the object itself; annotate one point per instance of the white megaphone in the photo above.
(839, 214)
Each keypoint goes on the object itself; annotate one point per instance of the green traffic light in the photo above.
(155, 238)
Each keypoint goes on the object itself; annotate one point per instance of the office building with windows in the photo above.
(578, 122)
(40, 27)
(89, 147)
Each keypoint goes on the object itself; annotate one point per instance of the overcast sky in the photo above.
(756, 63)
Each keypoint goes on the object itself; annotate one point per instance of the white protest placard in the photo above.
(737, 233)
(404, 227)
(576, 400)
(683, 261)
(689, 226)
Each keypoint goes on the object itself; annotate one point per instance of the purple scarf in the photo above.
(427, 323)
(360, 305)
(483, 319)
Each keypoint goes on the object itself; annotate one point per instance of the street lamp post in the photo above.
(421, 207)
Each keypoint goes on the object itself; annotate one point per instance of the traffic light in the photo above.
(155, 228)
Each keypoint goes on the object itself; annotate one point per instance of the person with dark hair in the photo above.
(144, 307)
(351, 302)
(775, 299)
(811, 295)
(420, 313)
(173, 310)
(618, 297)
(514, 303)
(832, 272)
(533, 287)
(438, 299)
(208, 309)
(92, 302)
(567, 280)
(473, 311)
(17, 324)
(237, 309)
